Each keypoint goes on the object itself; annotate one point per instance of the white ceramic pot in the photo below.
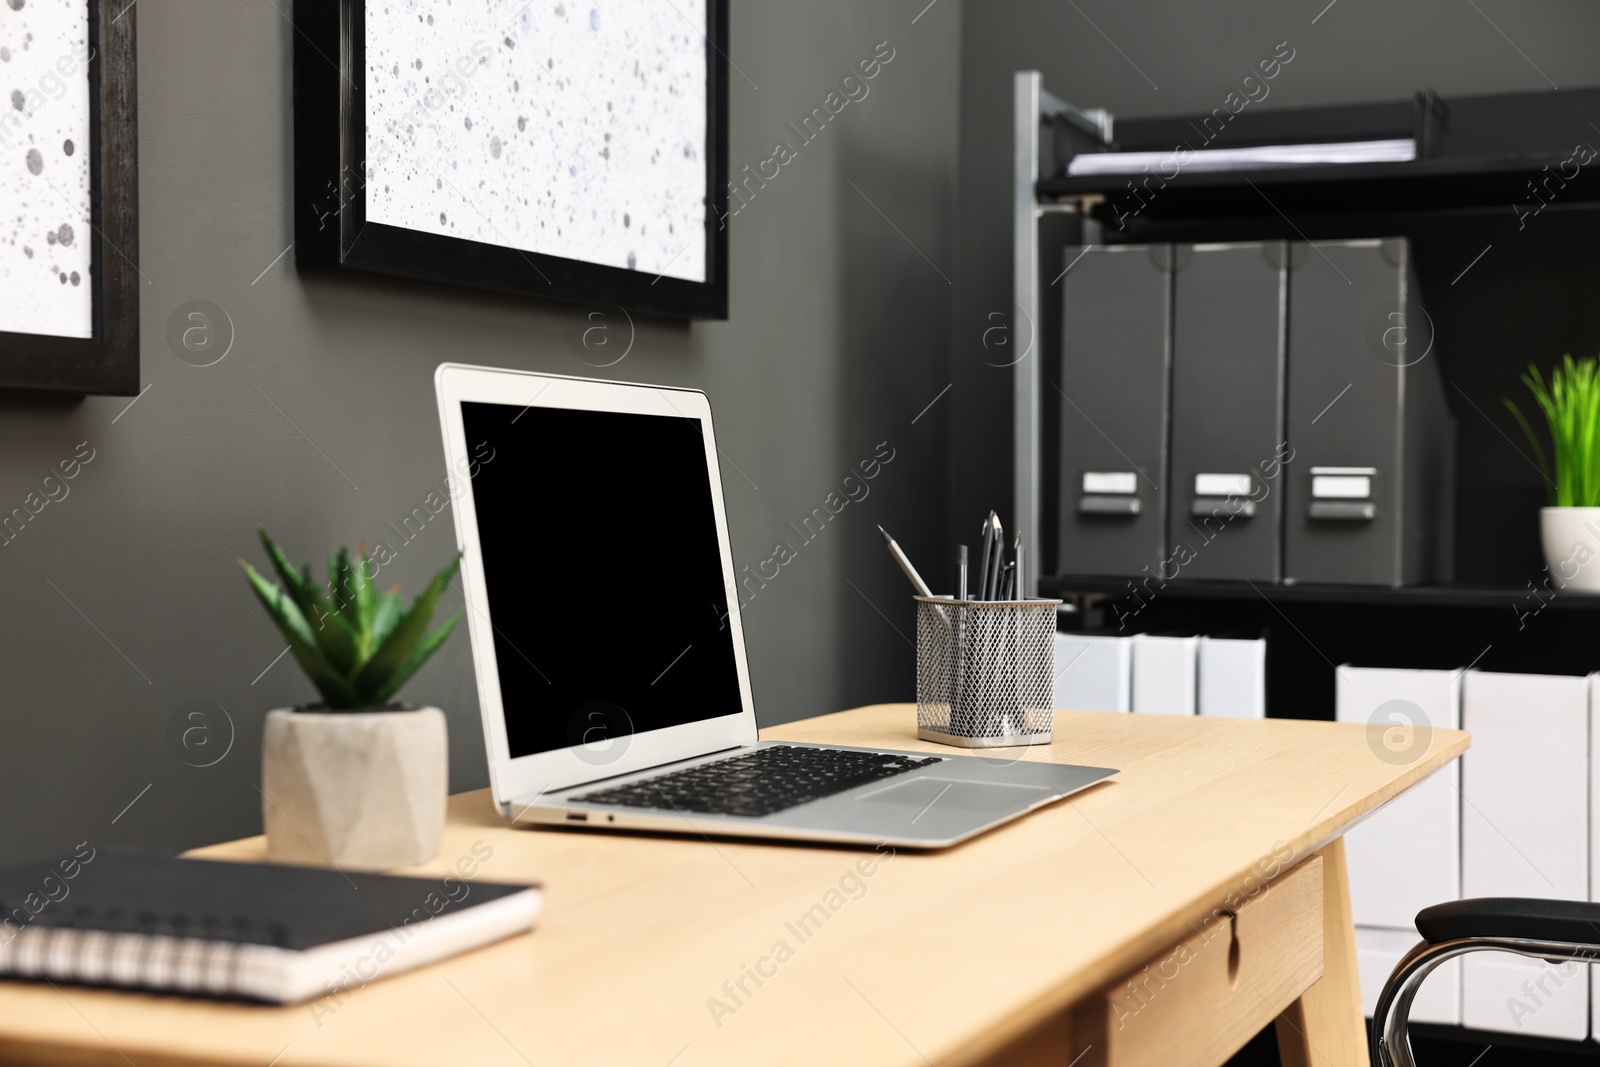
(362, 789)
(1571, 540)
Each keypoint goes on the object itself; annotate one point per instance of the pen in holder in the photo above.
(985, 671)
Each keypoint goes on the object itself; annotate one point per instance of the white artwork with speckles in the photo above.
(44, 168)
(573, 128)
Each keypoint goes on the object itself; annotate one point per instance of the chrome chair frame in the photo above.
(1390, 1038)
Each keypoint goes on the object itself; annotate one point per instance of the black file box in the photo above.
(1371, 483)
(1229, 320)
(1115, 378)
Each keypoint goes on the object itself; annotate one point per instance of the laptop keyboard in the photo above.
(759, 782)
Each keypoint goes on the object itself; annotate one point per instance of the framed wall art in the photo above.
(69, 234)
(574, 149)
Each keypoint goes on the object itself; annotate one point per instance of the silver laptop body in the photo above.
(593, 677)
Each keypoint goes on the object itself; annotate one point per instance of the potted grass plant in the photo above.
(356, 780)
(1569, 528)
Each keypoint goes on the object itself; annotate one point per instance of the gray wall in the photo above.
(123, 603)
(1176, 58)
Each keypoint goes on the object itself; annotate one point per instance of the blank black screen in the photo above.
(604, 574)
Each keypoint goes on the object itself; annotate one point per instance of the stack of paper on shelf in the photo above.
(1212, 160)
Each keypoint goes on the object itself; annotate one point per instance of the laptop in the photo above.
(605, 615)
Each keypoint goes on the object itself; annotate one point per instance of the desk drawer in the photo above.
(1199, 1002)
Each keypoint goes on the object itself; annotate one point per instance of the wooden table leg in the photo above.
(1048, 1046)
(1325, 1028)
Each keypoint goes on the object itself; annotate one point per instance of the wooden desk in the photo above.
(982, 954)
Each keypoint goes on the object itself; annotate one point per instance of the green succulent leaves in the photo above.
(357, 645)
(1571, 405)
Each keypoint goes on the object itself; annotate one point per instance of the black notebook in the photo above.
(259, 931)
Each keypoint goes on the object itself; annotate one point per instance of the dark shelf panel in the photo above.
(1484, 152)
(1488, 597)
(1333, 189)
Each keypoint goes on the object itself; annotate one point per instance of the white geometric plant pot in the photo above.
(362, 789)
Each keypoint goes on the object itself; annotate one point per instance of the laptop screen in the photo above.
(603, 573)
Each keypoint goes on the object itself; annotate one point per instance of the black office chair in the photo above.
(1553, 930)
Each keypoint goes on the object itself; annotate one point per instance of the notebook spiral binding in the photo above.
(192, 954)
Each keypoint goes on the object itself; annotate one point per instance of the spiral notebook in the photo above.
(258, 931)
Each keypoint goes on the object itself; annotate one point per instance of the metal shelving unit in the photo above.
(1488, 152)
(1475, 154)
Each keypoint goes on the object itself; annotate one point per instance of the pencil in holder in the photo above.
(986, 671)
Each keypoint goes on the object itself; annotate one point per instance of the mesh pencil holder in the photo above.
(985, 671)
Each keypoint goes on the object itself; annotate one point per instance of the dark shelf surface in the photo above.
(1335, 188)
(1489, 597)
(1483, 151)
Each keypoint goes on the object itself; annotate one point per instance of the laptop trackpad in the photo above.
(923, 793)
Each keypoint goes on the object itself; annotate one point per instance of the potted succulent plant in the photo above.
(356, 780)
(1569, 528)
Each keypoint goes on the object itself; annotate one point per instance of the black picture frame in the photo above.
(331, 227)
(106, 363)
